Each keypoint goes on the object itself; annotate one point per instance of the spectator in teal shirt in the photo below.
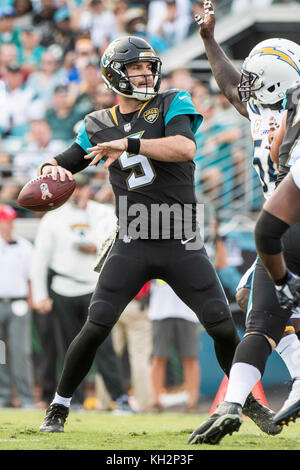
(62, 117)
(30, 52)
(8, 33)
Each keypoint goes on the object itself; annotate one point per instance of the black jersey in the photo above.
(144, 186)
(289, 150)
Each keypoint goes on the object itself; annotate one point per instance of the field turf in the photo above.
(90, 430)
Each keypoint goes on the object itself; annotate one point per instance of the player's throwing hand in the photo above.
(207, 24)
(112, 150)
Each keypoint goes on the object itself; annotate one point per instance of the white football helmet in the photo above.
(270, 69)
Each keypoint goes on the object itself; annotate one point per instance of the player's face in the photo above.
(140, 74)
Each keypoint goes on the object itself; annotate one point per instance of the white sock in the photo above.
(242, 379)
(61, 400)
(289, 350)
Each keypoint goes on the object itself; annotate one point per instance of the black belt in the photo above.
(8, 300)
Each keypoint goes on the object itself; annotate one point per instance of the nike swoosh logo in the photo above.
(181, 97)
(183, 242)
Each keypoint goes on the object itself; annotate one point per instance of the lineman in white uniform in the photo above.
(281, 212)
(269, 70)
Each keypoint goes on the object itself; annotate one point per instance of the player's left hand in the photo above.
(273, 128)
(206, 23)
(112, 150)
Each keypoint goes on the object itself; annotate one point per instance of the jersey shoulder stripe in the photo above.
(82, 138)
(182, 104)
(93, 122)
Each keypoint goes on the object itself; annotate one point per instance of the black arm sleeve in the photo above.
(72, 159)
(180, 125)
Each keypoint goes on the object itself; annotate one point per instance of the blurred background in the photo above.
(49, 80)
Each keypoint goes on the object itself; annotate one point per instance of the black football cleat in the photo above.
(225, 420)
(55, 418)
(290, 410)
(262, 416)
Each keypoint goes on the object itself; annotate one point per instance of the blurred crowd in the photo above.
(49, 80)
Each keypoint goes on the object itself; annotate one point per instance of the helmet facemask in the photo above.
(249, 83)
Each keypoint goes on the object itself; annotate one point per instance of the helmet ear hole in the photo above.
(271, 88)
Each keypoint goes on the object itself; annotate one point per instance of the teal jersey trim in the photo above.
(82, 138)
(182, 104)
(284, 102)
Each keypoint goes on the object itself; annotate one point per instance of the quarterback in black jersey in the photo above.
(148, 145)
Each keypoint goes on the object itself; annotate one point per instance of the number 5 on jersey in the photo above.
(146, 174)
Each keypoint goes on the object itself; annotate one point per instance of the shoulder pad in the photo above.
(99, 119)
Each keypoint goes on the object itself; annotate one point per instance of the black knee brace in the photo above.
(213, 312)
(103, 313)
(268, 232)
(217, 320)
(226, 339)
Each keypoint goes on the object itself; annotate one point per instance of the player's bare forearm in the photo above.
(225, 73)
(274, 264)
(168, 149)
(276, 138)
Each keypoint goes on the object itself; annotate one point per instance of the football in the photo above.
(45, 194)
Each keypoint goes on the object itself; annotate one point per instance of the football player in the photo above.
(148, 145)
(279, 213)
(257, 93)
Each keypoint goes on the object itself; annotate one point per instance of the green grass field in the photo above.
(19, 430)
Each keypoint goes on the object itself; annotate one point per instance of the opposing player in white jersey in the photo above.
(280, 212)
(257, 93)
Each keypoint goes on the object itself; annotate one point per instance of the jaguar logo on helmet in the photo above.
(107, 56)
